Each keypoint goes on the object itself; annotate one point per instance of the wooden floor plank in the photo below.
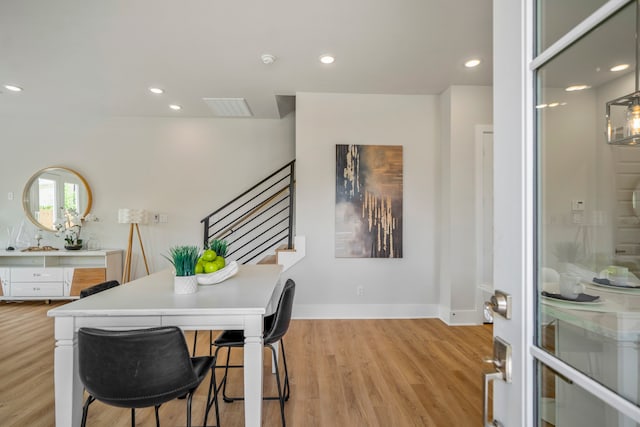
(400, 372)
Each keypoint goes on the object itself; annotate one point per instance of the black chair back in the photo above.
(98, 288)
(136, 368)
(282, 317)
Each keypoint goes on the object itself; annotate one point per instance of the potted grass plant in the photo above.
(184, 259)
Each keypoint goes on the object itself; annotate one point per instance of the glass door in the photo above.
(587, 265)
(567, 211)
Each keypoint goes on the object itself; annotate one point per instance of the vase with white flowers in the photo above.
(184, 260)
(69, 227)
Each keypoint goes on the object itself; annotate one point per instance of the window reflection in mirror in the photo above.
(53, 191)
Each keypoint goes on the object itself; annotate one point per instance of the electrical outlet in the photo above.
(360, 291)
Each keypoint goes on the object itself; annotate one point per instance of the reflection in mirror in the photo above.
(51, 192)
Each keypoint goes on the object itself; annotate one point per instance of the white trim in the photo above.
(289, 258)
(365, 311)
(480, 132)
(530, 238)
(386, 311)
(462, 318)
(578, 31)
(588, 384)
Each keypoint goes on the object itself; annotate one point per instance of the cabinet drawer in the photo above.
(37, 289)
(37, 275)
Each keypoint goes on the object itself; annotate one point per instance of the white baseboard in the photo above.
(460, 317)
(364, 311)
(386, 311)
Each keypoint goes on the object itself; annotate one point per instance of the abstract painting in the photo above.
(368, 201)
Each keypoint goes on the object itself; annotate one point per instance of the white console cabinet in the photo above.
(49, 275)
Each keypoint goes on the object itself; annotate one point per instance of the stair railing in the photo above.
(258, 220)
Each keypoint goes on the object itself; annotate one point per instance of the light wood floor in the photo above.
(344, 373)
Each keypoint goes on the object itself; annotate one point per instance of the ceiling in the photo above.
(100, 57)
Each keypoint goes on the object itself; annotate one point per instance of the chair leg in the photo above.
(280, 393)
(189, 398)
(287, 389)
(195, 342)
(213, 387)
(223, 382)
(224, 379)
(85, 410)
(133, 417)
(157, 415)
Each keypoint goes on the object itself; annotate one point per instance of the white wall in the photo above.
(570, 170)
(392, 287)
(463, 108)
(184, 168)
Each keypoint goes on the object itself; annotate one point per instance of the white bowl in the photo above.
(218, 276)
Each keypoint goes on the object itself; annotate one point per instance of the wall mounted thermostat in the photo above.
(577, 205)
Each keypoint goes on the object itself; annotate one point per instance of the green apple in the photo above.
(210, 267)
(209, 255)
(220, 261)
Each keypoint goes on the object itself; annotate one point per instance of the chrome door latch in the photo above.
(501, 361)
(499, 303)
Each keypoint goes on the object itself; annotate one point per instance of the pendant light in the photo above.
(629, 133)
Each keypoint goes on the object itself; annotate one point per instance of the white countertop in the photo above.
(60, 252)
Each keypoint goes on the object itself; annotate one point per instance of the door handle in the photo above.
(501, 362)
(488, 377)
(499, 303)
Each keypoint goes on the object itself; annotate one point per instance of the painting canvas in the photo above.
(368, 201)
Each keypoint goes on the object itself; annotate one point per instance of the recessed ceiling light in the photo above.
(13, 88)
(156, 90)
(327, 59)
(175, 107)
(268, 59)
(472, 63)
(620, 67)
(577, 87)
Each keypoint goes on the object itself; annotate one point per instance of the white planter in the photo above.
(185, 284)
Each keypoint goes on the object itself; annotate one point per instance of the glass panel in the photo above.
(566, 404)
(588, 230)
(556, 17)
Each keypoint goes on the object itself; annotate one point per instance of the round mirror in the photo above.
(52, 192)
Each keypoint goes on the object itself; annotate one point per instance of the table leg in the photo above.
(68, 387)
(253, 360)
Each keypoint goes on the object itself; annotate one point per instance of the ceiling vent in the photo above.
(229, 107)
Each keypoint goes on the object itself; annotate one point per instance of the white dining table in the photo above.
(240, 302)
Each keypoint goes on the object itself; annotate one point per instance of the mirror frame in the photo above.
(35, 176)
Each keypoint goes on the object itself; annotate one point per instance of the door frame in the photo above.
(481, 288)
